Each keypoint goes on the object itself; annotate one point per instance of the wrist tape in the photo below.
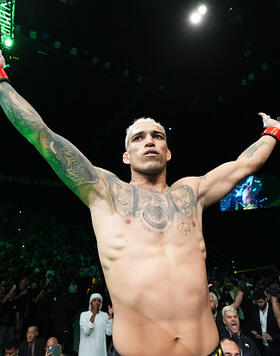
(3, 75)
(272, 131)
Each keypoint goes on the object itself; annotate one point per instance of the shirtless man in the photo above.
(149, 235)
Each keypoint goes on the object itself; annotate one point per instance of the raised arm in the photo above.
(68, 162)
(276, 309)
(220, 181)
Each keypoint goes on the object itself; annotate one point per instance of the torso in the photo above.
(153, 256)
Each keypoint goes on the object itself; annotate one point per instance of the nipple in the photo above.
(128, 221)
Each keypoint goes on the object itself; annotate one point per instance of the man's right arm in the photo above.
(67, 161)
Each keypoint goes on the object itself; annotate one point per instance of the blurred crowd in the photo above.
(46, 281)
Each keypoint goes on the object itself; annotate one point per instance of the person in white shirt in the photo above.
(94, 326)
(264, 325)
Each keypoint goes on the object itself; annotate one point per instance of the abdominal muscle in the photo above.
(158, 287)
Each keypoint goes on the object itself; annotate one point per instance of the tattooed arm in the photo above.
(221, 180)
(67, 161)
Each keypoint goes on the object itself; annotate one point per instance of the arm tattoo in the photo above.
(20, 113)
(66, 160)
(250, 151)
(69, 163)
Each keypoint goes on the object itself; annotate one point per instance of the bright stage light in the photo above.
(8, 42)
(202, 9)
(195, 18)
(197, 15)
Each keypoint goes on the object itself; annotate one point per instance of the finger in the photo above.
(264, 117)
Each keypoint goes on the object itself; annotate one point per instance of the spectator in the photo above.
(52, 341)
(264, 326)
(273, 293)
(94, 326)
(232, 324)
(214, 304)
(217, 311)
(33, 291)
(9, 318)
(229, 347)
(44, 303)
(11, 348)
(34, 345)
(22, 301)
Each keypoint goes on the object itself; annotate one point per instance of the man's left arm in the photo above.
(220, 181)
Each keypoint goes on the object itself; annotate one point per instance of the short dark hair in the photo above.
(223, 338)
(259, 294)
(12, 344)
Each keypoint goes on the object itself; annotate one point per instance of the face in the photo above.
(230, 348)
(32, 332)
(11, 352)
(95, 303)
(183, 200)
(262, 303)
(213, 305)
(34, 285)
(52, 341)
(232, 322)
(147, 152)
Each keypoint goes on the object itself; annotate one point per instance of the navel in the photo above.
(177, 339)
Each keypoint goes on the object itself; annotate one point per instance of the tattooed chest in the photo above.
(174, 208)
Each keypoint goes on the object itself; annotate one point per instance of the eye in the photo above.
(159, 136)
(137, 138)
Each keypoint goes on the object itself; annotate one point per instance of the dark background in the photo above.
(206, 83)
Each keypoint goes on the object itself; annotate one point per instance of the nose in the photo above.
(149, 141)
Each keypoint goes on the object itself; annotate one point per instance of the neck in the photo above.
(155, 181)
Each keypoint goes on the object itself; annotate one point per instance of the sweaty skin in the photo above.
(149, 235)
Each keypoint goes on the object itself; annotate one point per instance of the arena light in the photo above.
(8, 43)
(197, 15)
(195, 18)
(7, 14)
(202, 9)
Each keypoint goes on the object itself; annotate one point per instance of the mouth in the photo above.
(151, 153)
(234, 327)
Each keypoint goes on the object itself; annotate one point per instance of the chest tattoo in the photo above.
(173, 208)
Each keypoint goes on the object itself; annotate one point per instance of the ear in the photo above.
(126, 158)
(168, 155)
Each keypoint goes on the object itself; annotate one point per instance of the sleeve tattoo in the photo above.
(67, 161)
